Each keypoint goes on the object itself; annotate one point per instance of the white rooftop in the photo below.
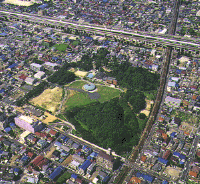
(75, 163)
(36, 65)
(51, 64)
(27, 119)
(39, 74)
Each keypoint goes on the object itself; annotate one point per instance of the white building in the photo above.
(155, 67)
(36, 67)
(172, 102)
(21, 2)
(30, 80)
(74, 164)
(39, 75)
(50, 65)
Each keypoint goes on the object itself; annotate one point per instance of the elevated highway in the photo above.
(166, 40)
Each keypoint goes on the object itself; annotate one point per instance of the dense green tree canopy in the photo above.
(62, 76)
(107, 124)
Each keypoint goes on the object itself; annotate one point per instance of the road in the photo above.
(29, 17)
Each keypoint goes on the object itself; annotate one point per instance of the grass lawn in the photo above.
(61, 47)
(77, 84)
(186, 117)
(78, 99)
(76, 42)
(107, 93)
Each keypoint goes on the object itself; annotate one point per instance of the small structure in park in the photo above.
(89, 87)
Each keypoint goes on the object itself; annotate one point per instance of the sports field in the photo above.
(107, 93)
(76, 99)
(77, 84)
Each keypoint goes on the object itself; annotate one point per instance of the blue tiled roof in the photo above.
(12, 124)
(2, 90)
(13, 65)
(74, 176)
(162, 160)
(173, 134)
(176, 154)
(85, 165)
(56, 172)
(182, 156)
(8, 129)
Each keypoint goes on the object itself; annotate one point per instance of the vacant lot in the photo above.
(146, 111)
(173, 172)
(49, 153)
(80, 73)
(107, 93)
(49, 118)
(49, 99)
(186, 117)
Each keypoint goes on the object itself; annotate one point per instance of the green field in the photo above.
(61, 47)
(77, 84)
(107, 93)
(78, 99)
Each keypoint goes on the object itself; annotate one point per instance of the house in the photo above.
(53, 133)
(105, 160)
(74, 177)
(91, 168)
(57, 172)
(58, 144)
(143, 158)
(75, 146)
(102, 175)
(74, 164)
(79, 181)
(167, 154)
(39, 162)
(22, 77)
(193, 174)
(78, 158)
(42, 143)
(51, 66)
(82, 168)
(135, 180)
(162, 160)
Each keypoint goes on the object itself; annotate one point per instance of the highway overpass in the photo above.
(165, 40)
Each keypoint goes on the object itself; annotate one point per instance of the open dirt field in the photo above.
(187, 128)
(49, 118)
(173, 172)
(146, 111)
(49, 154)
(67, 161)
(49, 99)
(19, 2)
(80, 73)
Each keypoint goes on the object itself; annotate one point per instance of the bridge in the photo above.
(187, 44)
